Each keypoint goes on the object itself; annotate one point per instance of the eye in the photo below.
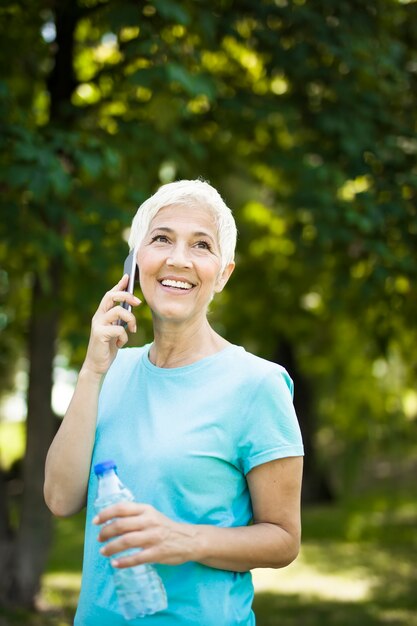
(160, 239)
(204, 245)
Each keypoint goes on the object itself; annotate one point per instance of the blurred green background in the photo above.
(303, 115)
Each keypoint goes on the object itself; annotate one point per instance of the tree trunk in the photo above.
(6, 540)
(30, 548)
(34, 534)
(316, 486)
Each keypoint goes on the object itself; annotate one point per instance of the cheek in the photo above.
(147, 272)
(210, 267)
(147, 262)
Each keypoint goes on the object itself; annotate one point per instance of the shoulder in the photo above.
(259, 371)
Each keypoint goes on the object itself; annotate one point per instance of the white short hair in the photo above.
(192, 192)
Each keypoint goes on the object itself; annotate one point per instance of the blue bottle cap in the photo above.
(104, 466)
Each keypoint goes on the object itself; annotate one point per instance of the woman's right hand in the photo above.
(107, 336)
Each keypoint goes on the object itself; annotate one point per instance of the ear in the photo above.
(224, 277)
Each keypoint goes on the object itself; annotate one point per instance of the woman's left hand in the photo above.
(131, 525)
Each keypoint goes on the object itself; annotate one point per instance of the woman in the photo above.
(203, 432)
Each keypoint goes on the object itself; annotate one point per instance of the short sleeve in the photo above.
(270, 429)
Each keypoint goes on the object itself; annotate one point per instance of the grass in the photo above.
(356, 568)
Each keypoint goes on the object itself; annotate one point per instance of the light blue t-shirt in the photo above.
(184, 440)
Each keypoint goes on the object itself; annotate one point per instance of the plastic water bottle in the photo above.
(139, 589)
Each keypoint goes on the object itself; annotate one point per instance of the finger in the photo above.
(121, 509)
(110, 332)
(131, 321)
(111, 298)
(143, 539)
(115, 314)
(123, 296)
(149, 555)
(119, 544)
(138, 558)
(122, 284)
(139, 541)
(122, 341)
(120, 526)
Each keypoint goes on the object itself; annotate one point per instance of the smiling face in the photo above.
(180, 263)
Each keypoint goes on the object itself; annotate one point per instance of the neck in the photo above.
(176, 347)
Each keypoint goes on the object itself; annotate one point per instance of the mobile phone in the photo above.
(130, 267)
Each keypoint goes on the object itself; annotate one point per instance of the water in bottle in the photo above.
(139, 589)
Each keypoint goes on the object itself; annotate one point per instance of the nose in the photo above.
(179, 257)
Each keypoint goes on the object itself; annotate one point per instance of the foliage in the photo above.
(327, 238)
(314, 105)
(300, 113)
(12, 443)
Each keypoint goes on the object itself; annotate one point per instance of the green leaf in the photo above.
(172, 11)
(192, 84)
(91, 163)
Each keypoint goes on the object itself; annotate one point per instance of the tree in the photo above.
(301, 114)
(57, 158)
(332, 234)
(328, 157)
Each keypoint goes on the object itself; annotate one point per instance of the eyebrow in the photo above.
(165, 229)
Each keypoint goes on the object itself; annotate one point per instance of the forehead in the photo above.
(197, 217)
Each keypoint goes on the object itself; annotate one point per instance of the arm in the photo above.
(68, 461)
(272, 541)
(274, 538)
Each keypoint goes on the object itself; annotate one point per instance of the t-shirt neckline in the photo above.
(204, 362)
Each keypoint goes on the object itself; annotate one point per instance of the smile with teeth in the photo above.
(177, 284)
